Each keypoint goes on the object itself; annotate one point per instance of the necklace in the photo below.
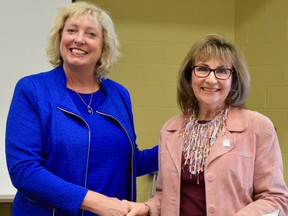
(89, 108)
(199, 138)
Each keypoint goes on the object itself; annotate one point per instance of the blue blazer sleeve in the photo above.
(24, 153)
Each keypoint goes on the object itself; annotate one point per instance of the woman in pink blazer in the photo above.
(217, 158)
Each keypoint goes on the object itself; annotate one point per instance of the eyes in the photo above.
(221, 73)
(88, 33)
(220, 70)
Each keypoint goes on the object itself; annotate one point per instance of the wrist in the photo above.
(92, 202)
(146, 209)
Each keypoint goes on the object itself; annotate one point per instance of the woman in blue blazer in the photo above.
(70, 139)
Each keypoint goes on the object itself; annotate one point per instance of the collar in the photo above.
(236, 120)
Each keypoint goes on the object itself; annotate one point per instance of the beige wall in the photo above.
(155, 36)
(261, 31)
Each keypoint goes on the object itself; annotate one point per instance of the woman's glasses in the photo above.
(221, 73)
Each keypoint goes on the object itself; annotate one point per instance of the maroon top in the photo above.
(192, 194)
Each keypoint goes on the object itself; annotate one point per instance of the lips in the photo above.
(210, 89)
(78, 51)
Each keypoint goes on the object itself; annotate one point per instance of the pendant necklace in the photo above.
(89, 108)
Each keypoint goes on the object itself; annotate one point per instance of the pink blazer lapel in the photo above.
(174, 141)
(225, 143)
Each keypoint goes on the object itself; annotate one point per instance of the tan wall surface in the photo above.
(155, 36)
(261, 32)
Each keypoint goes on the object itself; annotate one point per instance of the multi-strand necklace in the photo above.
(199, 138)
(89, 108)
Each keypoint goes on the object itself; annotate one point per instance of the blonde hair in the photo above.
(213, 46)
(110, 51)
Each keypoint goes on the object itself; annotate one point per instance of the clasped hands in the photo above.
(116, 207)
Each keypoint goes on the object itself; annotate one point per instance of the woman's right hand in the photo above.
(104, 206)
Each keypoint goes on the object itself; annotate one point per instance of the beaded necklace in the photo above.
(199, 138)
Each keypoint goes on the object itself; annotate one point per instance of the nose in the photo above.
(79, 39)
(211, 78)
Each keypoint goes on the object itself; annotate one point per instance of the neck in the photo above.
(83, 87)
(82, 82)
(209, 114)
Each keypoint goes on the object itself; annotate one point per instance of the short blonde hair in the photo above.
(110, 52)
(213, 46)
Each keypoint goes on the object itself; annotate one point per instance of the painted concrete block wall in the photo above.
(155, 36)
(261, 32)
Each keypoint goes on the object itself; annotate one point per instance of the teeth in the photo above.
(77, 51)
(210, 89)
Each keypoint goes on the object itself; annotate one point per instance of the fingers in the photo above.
(125, 206)
(115, 207)
(131, 212)
(126, 202)
(136, 209)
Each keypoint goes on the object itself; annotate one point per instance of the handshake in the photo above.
(109, 206)
(116, 207)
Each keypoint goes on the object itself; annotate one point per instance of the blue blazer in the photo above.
(48, 172)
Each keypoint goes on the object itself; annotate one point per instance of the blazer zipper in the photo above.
(89, 145)
(88, 154)
(132, 158)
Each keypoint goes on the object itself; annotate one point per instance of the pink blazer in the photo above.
(244, 177)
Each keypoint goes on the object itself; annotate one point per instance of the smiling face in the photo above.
(81, 42)
(211, 92)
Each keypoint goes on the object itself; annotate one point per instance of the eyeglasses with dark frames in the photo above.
(221, 73)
